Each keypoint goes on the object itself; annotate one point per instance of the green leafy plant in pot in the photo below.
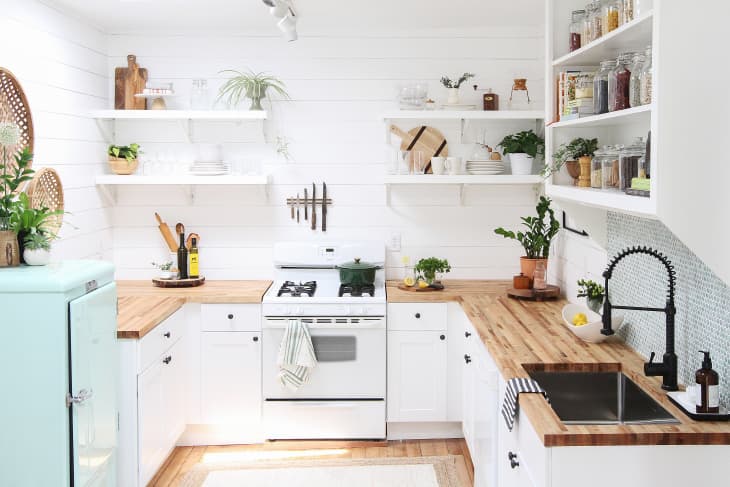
(26, 220)
(251, 85)
(37, 248)
(123, 158)
(14, 172)
(593, 292)
(522, 147)
(584, 149)
(537, 238)
(427, 270)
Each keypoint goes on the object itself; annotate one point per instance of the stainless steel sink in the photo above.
(600, 398)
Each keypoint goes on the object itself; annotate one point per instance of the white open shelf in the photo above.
(464, 115)
(629, 115)
(210, 115)
(607, 200)
(635, 35)
(461, 181)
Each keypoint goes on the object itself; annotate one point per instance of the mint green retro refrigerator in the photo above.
(58, 375)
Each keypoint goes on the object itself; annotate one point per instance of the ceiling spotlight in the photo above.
(283, 10)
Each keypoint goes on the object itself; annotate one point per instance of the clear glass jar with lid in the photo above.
(645, 76)
(610, 167)
(619, 81)
(199, 95)
(593, 10)
(634, 84)
(577, 24)
(629, 158)
(611, 13)
(600, 86)
(596, 169)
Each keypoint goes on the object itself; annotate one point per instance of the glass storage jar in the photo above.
(576, 29)
(600, 86)
(596, 167)
(595, 19)
(611, 15)
(610, 167)
(634, 82)
(199, 95)
(618, 83)
(645, 78)
(629, 162)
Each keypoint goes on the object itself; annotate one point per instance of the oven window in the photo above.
(335, 348)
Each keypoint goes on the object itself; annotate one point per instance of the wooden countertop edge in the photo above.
(169, 306)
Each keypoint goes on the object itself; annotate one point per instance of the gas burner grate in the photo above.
(290, 288)
(356, 291)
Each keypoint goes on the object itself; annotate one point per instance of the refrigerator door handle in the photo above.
(83, 396)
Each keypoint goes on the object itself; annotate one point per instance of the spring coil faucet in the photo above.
(668, 367)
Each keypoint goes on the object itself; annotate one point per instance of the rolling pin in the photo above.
(166, 234)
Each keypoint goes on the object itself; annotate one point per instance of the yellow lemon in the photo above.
(409, 281)
(422, 284)
(580, 319)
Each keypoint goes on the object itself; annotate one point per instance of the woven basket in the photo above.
(46, 191)
(121, 166)
(14, 108)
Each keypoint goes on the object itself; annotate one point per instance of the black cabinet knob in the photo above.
(418, 315)
(167, 335)
(512, 457)
(442, 337)
(467, 359)
(167, 359)
(467, 334)
(230, 317)
(255, 339)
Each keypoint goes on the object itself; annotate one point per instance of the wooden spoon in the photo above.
(179, 228)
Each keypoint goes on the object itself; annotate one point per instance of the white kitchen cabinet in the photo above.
(468, 383)
(485, 416)
(231, 377)
(151, 410)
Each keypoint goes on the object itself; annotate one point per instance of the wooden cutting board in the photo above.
(178, 283)
(425, 139)
(128, 82)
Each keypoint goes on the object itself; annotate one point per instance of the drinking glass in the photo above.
(404, 162)
(418, 160)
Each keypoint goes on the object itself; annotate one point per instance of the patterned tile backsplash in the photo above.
(702, 299)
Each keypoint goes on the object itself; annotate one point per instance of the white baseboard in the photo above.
(207, 434)
(424, 431)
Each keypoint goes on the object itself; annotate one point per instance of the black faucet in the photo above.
(668, 367)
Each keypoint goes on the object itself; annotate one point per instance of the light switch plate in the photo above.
(395, 242)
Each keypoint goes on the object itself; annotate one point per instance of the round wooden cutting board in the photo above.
(173, 283)
(425, 139)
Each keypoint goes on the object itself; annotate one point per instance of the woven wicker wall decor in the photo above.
(14, 108)
(46, 191)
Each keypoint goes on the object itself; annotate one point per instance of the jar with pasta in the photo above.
(611, 13)
(645, 88)
(596, 20)
(634, 82)
(610, 167)
(596, 168)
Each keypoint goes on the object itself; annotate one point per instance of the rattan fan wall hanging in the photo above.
(46, 190)
(14, 108)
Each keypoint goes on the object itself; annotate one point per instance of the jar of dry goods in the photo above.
(600, 86)
(634, 84)
(595, 20)
(645, 79)
(576, 29)
(618, 83)
(627, 11)
(610, 167)
(611, 14)
(629, 162)
(596, 168)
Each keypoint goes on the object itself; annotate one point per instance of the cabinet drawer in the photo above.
(160, 339)
(230, 317)
(417, 316)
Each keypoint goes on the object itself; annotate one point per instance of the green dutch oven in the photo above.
(357, 273)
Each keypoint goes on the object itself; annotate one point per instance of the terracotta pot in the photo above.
(9, 251)
(527, 267)
(121, 166)
(573, 170)
(584, 180)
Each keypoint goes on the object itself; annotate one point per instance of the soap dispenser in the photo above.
(708, 390)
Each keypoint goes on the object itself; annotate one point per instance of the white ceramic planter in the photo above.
(453, 96)
(521, 164)
(37, 256)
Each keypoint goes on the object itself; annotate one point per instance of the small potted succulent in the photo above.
(37, 248)
(26, 221)
(428, 269)
(593, 292)
(453, 87)
(123, 158)
(251, 85)
(522, 148)
(164, 270)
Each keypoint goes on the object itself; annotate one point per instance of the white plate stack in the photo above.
(484, 168)
(214, 168)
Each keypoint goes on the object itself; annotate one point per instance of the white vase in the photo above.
(36, 256)
(453, 96)
(521, 164)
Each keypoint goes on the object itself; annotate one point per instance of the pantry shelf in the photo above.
(641, 114)
(607, 200)
(637, 34)
(209, 115)
(464, 115)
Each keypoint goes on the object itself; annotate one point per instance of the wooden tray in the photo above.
(677, 397)
(416, 289)
(175, 283)
(551, 292)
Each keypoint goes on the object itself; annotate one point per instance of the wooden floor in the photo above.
(184, 458)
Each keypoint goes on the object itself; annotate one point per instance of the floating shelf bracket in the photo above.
(108, 129)
(109, 193)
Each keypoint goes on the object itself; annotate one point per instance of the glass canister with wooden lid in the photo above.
(629, 158)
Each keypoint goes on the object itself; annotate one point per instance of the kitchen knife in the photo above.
(298, 205)
(306, 209)
(324, 206)
(166, 234)
(314, 211)
(291, 207)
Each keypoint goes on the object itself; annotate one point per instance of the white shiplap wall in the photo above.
(339, 87)
(63, 68)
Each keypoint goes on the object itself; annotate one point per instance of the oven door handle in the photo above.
(378, 325)
(324, 404)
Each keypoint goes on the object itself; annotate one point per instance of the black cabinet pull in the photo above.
(418, 315)
(442, 337)
(467, 334)
(467, 359)
(512, 457)
(167, 335)
(230, 317)
(167, 359)
(255, 339)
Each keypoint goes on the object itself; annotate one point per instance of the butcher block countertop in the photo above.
(142, 306)
(522, 335)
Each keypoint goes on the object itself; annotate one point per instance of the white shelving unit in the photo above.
(458, 180)
(612, 127)
(464, 115)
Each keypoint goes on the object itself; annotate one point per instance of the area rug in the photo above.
(437, 471)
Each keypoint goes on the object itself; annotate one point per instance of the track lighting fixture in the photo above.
(287, 18)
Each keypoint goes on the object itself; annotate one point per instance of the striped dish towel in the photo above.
(515, 387)
(296, 356)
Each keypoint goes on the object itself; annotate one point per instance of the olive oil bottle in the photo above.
(194, 270)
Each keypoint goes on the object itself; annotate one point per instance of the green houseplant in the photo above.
(426, 269)
(251, 85)
(26, 220)
(537, 238)
(37, 248)
(593, 292)
(14, 172)
(522, 147)
(123, 158)
(584, 149)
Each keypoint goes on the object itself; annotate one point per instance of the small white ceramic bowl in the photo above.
(590, 332)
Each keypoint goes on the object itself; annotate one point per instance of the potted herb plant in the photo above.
(14, 171)
(123, 158)
(164, 270)
(536, 239)
(453, 87)
(251, 85)
(593, 292)
(522, 148)
(37, 248)
(427, 269)
(584, 149)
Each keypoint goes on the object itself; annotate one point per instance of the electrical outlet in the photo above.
(395, 242)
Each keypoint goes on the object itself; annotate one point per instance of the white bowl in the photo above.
(590, 332)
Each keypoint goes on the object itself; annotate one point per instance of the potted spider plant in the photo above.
(251, 85)
(522, 148)
(536, 239)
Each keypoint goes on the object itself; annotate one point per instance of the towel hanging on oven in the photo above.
(296, 356)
